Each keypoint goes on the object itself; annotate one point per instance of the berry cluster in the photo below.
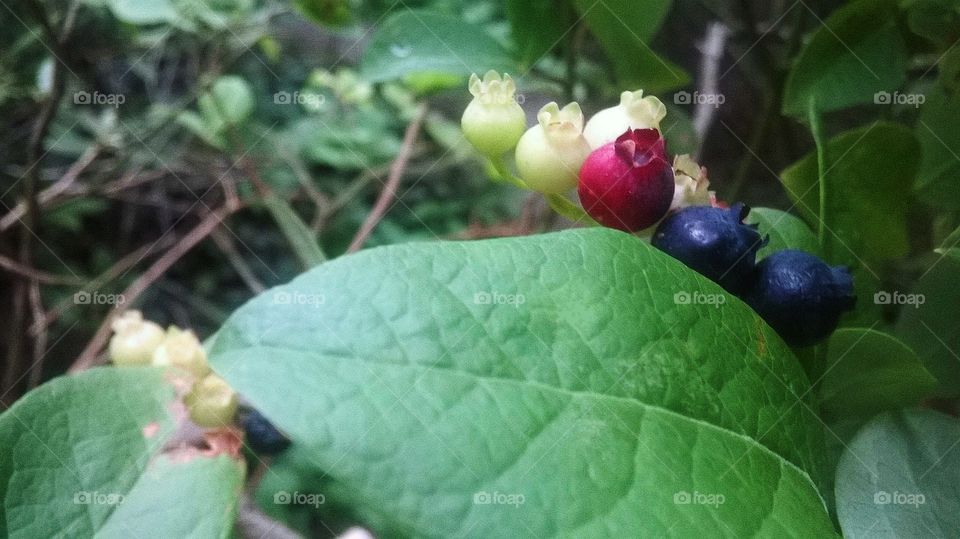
(618, 163)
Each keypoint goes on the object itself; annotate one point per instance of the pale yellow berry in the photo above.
(212, 403)
(493, 121)
(549, 154)
(134, 339)
(182, 349)
(692, 185)
(633, 112)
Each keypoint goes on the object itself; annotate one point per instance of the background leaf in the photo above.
(786, 231)
(92, 437)
(477, 367)
(422, 41)
(937, 179)
(857, 52)
(869, 182)
(900, 475)
(537, 26)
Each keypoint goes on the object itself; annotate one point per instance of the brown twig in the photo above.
(90, 353)
(229, 248)
(393, 181)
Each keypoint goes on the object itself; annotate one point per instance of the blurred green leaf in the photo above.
(786, 231)
(301, 238)
(360, 140)
(678, 131)
(938, 180)
(537, 26)
(868, 184)
(233, 98)
(931, 328)
(868, 372)
(934, 20)
(144, 11)
(325, 12)
(423, 41)
(899, 477)
(857, 52)
(625, 29)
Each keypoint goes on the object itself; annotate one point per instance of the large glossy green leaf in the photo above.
(938, 180)
(566, 371)
(79, 457)
(868, 372)
(537, 26)
(625, 29)
(423, 41)
(930, 327)
(868, 185)
(855, 53)
(900, 477)
(785, 230)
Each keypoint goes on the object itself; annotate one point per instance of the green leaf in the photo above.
(537, 26)
(930, 327)
(78, 459)
(857, 52)
(233, 98)
(144, 11)
(869, 181)
(422, 41)
(869, 372)
(561, 368)
(625, 30)
(301, 238)
(936, 130)
(899, 477)
(786, 231)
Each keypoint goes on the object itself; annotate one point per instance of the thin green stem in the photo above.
(504, 173)
(816, 128)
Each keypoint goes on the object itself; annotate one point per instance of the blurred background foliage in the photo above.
(128, 125)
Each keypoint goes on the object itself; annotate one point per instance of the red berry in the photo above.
(628, 184)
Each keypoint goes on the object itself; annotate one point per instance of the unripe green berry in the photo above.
(633, 112)
(493, 121)
(549, 154)
(181, 349)
(212, 402)
(135, 339)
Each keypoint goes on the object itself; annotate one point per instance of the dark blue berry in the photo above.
(801, 296)
(262, 436)
(714, 242)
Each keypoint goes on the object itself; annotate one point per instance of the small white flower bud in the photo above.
(134, 339)
(633, 112)
(493, 121)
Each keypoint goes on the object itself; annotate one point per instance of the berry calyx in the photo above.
(182, 349)
(713, 241)
(801, 296)
(691, 184)
(493, 121)
(633, 112)
(549, 154)
(134, 339)
(262, 437)
(628, 184)
(212, 403)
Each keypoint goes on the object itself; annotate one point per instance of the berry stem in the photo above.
(504, 174)
(816, 129)
(563, 206)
